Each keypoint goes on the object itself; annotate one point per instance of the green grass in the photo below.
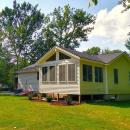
(23, 114)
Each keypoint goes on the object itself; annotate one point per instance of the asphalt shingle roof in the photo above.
(103, 58)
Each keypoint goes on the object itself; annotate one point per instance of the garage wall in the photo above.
(28, 80)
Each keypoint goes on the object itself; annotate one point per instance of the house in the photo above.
(65, 71)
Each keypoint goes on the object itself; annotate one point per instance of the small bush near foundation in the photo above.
(49, 99)
(68, 99)
(30, 96)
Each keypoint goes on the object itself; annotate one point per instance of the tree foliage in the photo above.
(93, 51)
(18, 28)
(97, 50)
(65, 27)
(108, 51)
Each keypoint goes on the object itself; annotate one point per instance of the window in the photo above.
(116, 76)
(52, 58)
(71, 72)
(63, 56)
(98, 74)
(62, 73)
(44, 73)
(87, 73)
(37, 75)
(129, 77)
(52, 73)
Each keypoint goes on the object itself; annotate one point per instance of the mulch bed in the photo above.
(56, 103)
(63, 103)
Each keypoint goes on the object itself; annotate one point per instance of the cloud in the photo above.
(113, 24)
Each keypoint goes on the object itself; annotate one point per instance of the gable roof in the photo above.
(102, 58)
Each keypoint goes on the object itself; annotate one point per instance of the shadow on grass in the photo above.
(120, 104)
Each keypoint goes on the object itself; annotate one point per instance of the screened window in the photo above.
(71, 72)
(116, 76)
(44, 73)
(87, 73)
(52, 73)
(98, 74)
(63, 56)
(62, 73)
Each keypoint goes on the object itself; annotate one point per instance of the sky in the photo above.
(111, 27)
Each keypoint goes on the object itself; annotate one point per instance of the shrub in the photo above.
(49, 99)
(30, 96)
(68, 99)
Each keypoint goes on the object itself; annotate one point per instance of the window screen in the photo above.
(71, 72)
(62, 73)
(52, 73)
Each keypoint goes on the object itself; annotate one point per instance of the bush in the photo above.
(30, 96)
(68, 99)
(49, 99)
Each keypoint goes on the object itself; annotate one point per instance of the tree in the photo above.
(18, 28)
(108, 51)
(128, 43)
(65, 27)
(7, 68)
(93, 51)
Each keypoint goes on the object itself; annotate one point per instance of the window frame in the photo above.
(99, 75)
(116, 76)
(65, 73)
(87, 68)
(68, 73)
(49, 73)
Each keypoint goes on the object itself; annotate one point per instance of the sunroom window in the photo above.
(71, 72)
(62, 73)
(52, 73)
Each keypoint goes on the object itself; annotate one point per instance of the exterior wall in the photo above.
(91, 87)
(123, 86)
(28, 80)
(57, 87)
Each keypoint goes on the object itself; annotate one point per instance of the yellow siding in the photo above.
(123, 86)
(91, 87)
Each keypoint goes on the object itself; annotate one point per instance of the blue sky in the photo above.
(108, 13)
(48, 5)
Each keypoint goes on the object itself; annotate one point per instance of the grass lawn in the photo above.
(23, 114)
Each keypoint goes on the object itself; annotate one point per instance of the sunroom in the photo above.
(59, 74)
